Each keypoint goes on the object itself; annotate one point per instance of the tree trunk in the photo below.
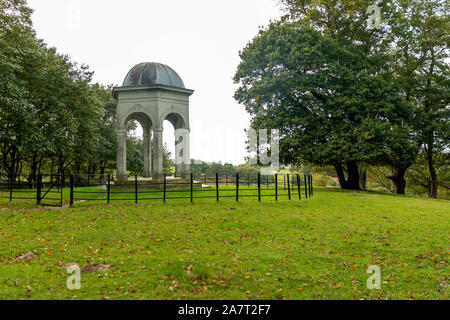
(34, 167)
(398, 179)
(352, 181)
(429, 136)
(353, 176)
(11, 165)
(443, 184)
(341, 175)
(363, 178)
(61, 163)
(432, 191)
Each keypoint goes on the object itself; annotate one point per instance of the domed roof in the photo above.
(152, 73)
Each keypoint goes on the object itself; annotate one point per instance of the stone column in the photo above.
(147, 153)
(187, 156)
(158, 153)
(178, 152)
(121, 154)
(182, 153)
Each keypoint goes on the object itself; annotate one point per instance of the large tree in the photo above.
(334, 103)
(417, 32)
(17, 44)
(421, 38)
(51, 117)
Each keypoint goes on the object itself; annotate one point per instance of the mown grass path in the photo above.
(318, 248)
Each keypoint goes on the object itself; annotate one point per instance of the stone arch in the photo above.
(181, 126)
(138, 113)
(146, 123)
(177, 119)
(144, 120)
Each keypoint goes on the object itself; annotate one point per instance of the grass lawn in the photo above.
(317, 248)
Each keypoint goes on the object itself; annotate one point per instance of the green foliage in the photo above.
(168, 164)
(246, 170)
(135, 158)
(347, 96)
(322, 180)
(418, 175)
(135, 150)
(214, 168)
(333, 103)
(198, 167)
(422, 38)
(228, 169)
(51, 118)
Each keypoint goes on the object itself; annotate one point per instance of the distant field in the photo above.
(318, 248)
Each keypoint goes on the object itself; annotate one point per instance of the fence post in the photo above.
(299, 189)
(38, 191)
(109, 188)
(307, 181)
(248, 178)
(237, 187)
(276, 187)
(226, 180)
(71, 190)
(259, 187)
(312, 188)
(206, 180)
(306, 188)
(135, 189)
(289, 187)
(217, 187)
(165, 186)
(192, 187)
(62, 182)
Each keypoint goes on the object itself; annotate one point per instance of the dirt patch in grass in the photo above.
(94, 267)
(66, 206)
(25, 257)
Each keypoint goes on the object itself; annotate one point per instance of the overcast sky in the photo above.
(200, 39)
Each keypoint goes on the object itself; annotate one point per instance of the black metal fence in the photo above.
(46, 190)
(216, 187)
(49, 189)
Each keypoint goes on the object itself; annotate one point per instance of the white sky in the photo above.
(200, 39)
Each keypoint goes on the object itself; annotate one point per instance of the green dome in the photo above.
(152, 73)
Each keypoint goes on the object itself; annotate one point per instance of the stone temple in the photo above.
(151, 93)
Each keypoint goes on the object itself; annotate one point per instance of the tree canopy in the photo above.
(333, 89)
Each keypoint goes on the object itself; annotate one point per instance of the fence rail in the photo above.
(49, 189)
